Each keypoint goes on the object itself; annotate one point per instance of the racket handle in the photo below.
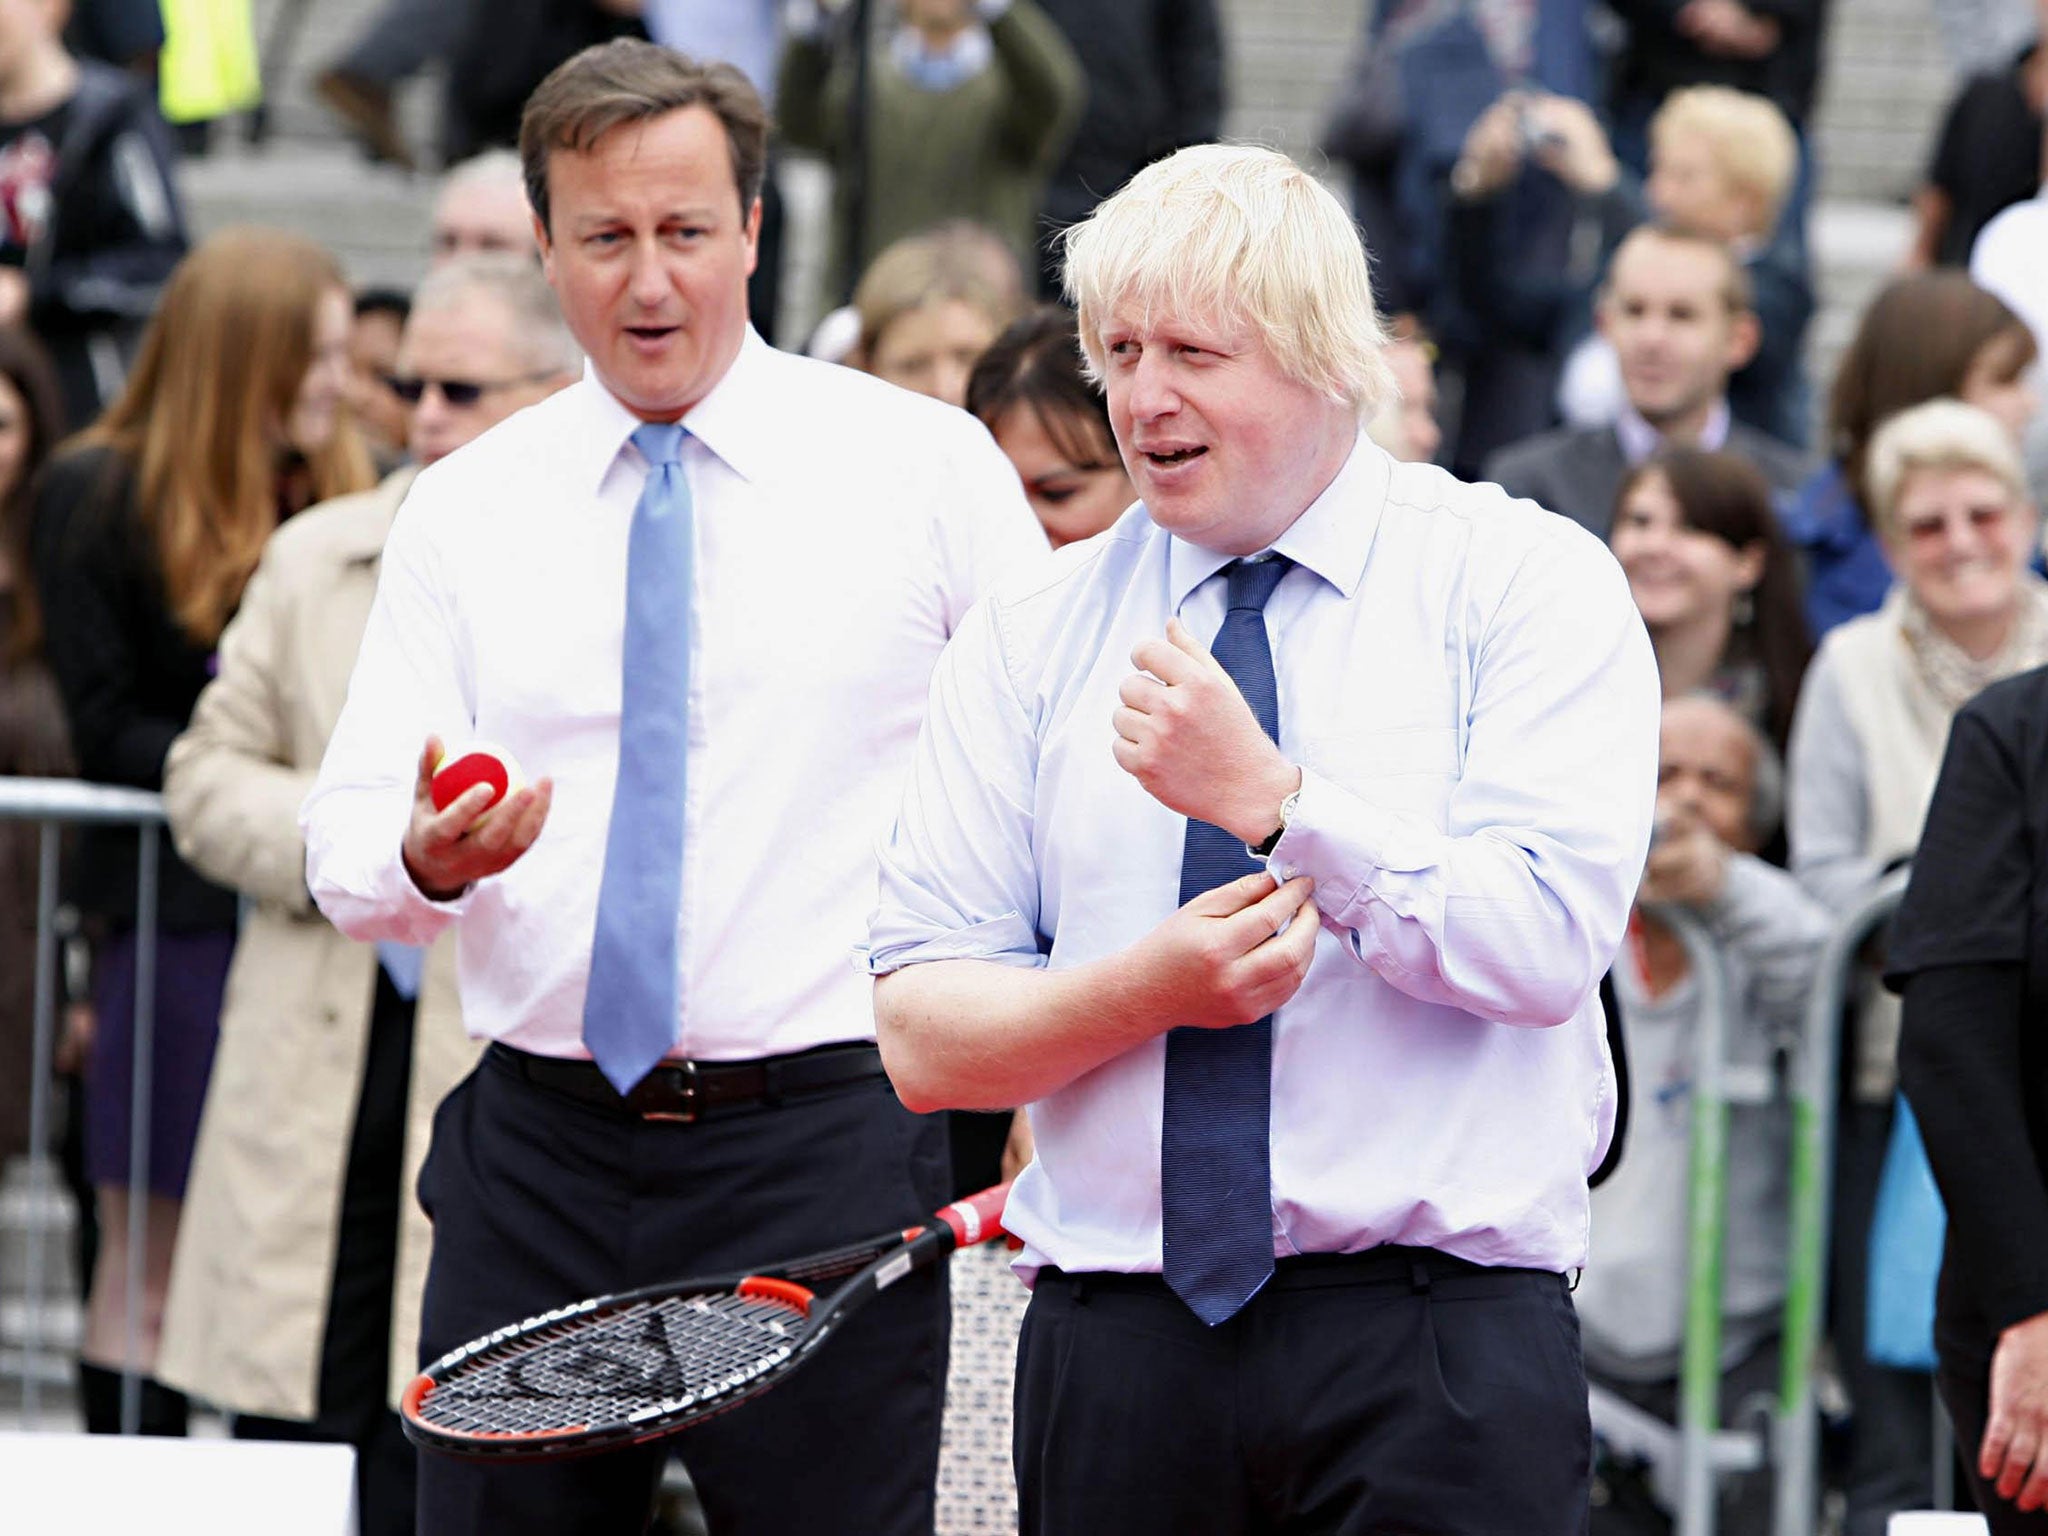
(977, 1218)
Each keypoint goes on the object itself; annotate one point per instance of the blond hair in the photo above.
(956, 261)
(1748, 137)
(1243, 236)
(217, 378)
(1937, 435)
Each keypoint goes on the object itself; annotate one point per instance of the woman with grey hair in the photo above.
(1950, 507)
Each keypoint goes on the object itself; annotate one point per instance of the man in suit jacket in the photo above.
(1676, 308)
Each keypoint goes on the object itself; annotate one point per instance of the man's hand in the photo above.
(1728, 28)
(1571, 144)
(1688, 865)
(2014, 1455)
(1224, 959)
(1491, 155)
(447, 851)
(1187, 735)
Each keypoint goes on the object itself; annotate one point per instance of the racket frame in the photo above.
(863, 1269)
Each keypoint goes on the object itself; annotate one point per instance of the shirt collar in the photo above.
(735, 420)
(1639, 439)
(1332, 537)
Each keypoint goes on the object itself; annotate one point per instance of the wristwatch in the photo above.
(1265, 849)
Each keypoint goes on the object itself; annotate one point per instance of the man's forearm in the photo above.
(972, 1034)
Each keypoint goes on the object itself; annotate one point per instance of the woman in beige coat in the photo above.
(295, 1289)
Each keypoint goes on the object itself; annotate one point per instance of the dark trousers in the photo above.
(355, 1353)
(1399, 1392)
(404, 37)
(539, 1199)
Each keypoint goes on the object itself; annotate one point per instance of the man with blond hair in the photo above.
(1271, 847)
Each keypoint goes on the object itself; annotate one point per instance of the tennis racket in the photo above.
(623, 1369)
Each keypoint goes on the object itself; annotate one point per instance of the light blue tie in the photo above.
(629, 1013)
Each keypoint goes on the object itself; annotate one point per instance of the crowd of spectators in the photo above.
(1599, 284)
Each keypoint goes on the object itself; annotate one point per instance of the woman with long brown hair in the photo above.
(1923, 338)
(145, 528)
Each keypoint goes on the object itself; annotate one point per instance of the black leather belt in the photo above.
(688, 1091)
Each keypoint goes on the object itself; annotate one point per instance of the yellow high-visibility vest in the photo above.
(209, 66)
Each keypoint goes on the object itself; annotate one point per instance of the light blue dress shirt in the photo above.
(1474, 704)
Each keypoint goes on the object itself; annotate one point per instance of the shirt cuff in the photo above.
(380, 901)
(1335, 838)
(1005, 940)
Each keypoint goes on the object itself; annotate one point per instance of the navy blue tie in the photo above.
(630, 1010)
(1215, 1171)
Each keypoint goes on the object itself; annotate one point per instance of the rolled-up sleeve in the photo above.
(1513, 909)
(409, 682)
(958, 880)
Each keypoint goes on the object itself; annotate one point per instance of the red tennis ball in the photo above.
(477, 763)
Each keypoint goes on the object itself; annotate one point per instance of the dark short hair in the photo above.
(1036, 363)
(627, 80)
(395, 302)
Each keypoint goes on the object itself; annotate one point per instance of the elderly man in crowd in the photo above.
(482, 208)
(1720, 792)
(295, 1291)
(1271, 845)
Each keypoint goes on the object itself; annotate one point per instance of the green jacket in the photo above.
(982, 151)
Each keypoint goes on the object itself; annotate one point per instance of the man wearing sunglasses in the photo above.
(485, 339)
(338, 1288)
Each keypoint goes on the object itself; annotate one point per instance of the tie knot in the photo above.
(661, 441)
(1252, 581)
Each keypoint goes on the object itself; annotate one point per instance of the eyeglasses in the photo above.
(460, 393)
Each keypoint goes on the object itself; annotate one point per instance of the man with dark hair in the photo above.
(718, 705)
(1676, 308)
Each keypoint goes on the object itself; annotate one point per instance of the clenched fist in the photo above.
(1187, 735)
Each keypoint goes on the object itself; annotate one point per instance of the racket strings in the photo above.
(647, 1360)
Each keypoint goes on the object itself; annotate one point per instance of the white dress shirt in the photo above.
(1474, 704)
(843, 527)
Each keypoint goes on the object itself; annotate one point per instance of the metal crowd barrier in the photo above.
(1816, 1086)
(1705, 1450)
(53, 804)
(1698, 1450)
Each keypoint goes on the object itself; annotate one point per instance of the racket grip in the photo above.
(977, 1218)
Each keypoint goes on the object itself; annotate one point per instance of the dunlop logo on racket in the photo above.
(632, 1367)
